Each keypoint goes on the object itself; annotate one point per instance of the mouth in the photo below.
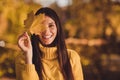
(47, 37)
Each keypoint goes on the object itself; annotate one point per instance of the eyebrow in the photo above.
(52, 23)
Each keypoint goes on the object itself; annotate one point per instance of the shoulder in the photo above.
(72, 53)
(73, 56)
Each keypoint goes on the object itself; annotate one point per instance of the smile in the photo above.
(46, 37)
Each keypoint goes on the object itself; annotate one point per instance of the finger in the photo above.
(26, 34)
(23, 43)
(22, 35)
(21, 39)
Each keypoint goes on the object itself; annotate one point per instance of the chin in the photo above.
(46, 44)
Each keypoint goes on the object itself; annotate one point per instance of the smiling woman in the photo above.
(49, 33)
(45, 56)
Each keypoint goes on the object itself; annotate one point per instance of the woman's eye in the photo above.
(51, 25)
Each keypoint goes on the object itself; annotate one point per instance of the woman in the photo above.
(45, 54)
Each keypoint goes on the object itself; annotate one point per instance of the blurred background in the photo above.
(92, 28)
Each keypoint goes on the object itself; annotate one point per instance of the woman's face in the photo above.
(49, 33)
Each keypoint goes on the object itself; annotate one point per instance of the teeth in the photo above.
(46, 37)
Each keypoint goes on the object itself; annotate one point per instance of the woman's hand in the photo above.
(24, 43)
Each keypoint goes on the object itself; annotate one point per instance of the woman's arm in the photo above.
(25, 45)
(24, 71)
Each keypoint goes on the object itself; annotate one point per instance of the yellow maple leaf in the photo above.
(37, 25)
(30, 18)
(33, 24)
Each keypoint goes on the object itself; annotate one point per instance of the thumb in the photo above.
(26, 34)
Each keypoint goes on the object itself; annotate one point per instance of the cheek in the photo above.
(54, 30)
(56, 33)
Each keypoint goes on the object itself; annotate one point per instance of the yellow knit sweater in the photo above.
(50, 64)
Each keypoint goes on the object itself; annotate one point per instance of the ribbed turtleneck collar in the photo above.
(48, 52)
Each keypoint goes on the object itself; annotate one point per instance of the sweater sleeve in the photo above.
(24, 71)
(76, 65)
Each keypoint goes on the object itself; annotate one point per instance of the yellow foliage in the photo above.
(28, 22)
(118, 30)
(85, 61)
(108, 31)
(33, 24)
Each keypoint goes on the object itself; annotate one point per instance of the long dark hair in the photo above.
(59, 41)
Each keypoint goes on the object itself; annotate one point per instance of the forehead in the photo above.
(48, 19)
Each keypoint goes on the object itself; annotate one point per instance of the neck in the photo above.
(48, 52)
